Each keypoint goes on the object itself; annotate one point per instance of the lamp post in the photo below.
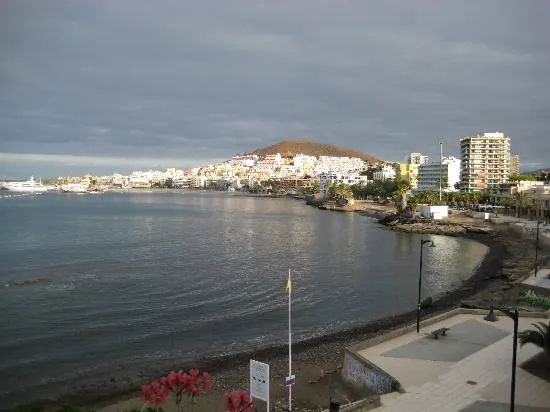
(422, 243)
(537, 249)
(514, 315)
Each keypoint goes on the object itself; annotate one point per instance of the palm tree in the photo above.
(413, 204)
(400, 193)
(539, 337)
(521, 199)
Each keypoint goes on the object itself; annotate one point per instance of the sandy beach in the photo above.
(317, 362)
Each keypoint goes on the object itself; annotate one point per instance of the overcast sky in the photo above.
(105, 86)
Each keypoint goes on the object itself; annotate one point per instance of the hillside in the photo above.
(293, 147)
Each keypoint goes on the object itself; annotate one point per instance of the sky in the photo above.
(108, 86)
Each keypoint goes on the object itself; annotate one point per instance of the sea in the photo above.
(95, 288)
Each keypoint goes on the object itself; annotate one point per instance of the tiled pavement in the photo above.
(456, 386)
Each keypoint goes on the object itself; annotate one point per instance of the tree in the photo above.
(427, 197)
(340, 191)
(521, 200)
(539, 337)
(412, 202)
(402, 187)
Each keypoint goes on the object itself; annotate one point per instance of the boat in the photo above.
(28, 186)
(75, 188)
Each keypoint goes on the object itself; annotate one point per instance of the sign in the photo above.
(259, 380)
(290, 380)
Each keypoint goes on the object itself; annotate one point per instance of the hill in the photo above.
(538, 171)
(294, 147)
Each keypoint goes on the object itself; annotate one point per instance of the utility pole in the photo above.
(440, 168)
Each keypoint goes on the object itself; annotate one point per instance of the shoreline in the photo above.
(318, 358)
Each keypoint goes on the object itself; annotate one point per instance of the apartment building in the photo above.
(328, 179)
(446, 173)
(409, 172)
(387, 173)
(417, 159)
(485, 161)
(514, 164)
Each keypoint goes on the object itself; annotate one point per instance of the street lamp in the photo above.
(422, 243)
(537, 249)
(514, 315)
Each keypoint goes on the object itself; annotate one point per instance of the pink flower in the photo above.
(192, 384)
(238, 401)
(155, 393)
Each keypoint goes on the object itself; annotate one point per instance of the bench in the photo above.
(442, 331)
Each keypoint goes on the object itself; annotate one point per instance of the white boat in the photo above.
(28, 186)
(75, 188)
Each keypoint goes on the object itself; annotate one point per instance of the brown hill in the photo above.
(294, 147)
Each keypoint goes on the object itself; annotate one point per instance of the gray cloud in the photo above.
(191, 81)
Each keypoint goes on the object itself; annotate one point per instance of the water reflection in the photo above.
(163, 267)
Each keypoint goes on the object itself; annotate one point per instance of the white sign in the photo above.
(259, 380)
(290, 380)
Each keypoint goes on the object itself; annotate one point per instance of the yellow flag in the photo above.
(288, 285)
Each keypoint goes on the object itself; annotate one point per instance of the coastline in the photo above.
(318, 359)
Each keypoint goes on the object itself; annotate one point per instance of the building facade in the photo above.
(417, 159)
(409, 172)
(386, 173)
(514, 164)
(326, 180)
(485, 161)
(445, 173)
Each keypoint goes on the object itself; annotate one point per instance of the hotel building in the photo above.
(485, 161)
(446, 173)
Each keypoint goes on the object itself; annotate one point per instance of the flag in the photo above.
(288, 285)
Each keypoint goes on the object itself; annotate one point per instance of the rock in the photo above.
(30, 281)
(426, 303)
(477, 229)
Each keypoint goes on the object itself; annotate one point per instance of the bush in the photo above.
(531, 298)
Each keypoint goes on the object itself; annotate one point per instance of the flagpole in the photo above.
(289, 344)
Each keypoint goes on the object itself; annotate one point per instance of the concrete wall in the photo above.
(363, 373)
(434, 212)
(364, 405)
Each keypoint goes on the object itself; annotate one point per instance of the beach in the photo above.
(317, 362)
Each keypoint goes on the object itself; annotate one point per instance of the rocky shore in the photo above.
(437, 227)
(317, 362)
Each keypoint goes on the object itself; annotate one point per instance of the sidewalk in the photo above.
(469, 369)
(542, 280)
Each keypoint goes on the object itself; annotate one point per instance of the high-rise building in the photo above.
(485, 161)
(445, 173)
(514, 164)
(417, 159)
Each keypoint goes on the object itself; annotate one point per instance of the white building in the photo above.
(486, 161)
(446, 173)
(417, 159)
(387, 173)
(140, 180)
(328, 179)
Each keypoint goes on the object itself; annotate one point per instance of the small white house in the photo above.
(434, 212)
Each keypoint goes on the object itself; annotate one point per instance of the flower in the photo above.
(192, 384)
(238, 401)
(155, 393)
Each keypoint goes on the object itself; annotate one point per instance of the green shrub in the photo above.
(530, 297)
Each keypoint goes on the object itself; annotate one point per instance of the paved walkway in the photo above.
(476, 379)
(542, 280)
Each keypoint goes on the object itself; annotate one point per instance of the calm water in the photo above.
(141, 281)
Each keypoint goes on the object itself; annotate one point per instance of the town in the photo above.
(486, 165)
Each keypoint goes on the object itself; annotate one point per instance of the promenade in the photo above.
(469, 369)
